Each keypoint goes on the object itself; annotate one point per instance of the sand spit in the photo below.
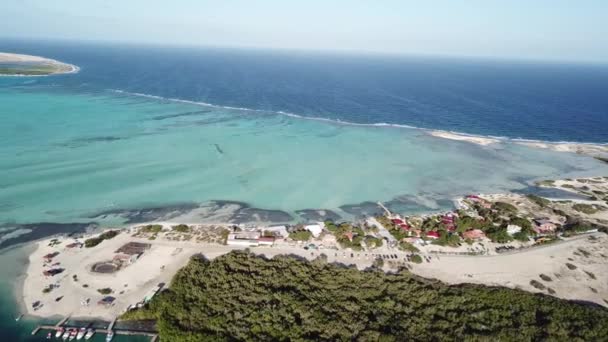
(587, 149)
(593, 150)
(59, 67)
(484, 141)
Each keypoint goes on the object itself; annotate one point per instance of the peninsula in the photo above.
(12, 64)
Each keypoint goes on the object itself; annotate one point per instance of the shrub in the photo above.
(537, 285)
(300, 235)
(585, 208)
(542, 202)
(94, 241)
(416, 259)
(152, 228)
(105, 291)
(181, 228)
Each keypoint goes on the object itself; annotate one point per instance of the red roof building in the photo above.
(397, 221)
(474, 234)
(432, 235)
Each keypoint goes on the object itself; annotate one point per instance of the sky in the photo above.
(538, 29)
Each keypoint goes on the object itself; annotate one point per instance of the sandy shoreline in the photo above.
(166, 257)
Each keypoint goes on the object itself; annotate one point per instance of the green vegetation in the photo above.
(505, 208)
(542, 202)
(547, 182)
(406, 246)
(300, 235)
(416, 259)
(571, 266)
(181, 228)
(499, 234)
(447, 239)
(105, 291)
(238, 297)
(92, 242)
(537, 284)
(40, 71)
(585, 208)
(152, 228)
(351, 236)
(373, 242)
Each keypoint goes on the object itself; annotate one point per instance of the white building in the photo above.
(513, 229)
(246, 239)
(315, 229)
(277, 231)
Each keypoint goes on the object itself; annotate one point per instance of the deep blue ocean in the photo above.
(529, 100)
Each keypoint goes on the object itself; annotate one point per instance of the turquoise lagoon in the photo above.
(94, 156)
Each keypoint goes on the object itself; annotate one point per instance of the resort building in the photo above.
(474, 234)
(432, 235)
(125, 259)
(544, 226)
(266, 241)
(513, 229)
(246, 239)
(315, 229)
(476, 199)
(278, 231)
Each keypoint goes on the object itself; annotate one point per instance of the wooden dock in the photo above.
(62, 324)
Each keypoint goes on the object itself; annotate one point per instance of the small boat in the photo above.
(49, 335)
(18, 318)
(59, 333)
(81, 333)
(65, 335)
(73, 334)
(109, 336)
(89, 334)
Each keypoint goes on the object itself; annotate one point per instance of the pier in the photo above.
(62, 324)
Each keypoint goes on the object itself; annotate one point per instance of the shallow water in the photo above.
(70, 157)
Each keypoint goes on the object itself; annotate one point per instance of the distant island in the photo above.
(12, 64)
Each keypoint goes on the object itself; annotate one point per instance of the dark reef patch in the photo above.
(179, 115)
(362, 209)
(318, 215)
(139, 215)
(39, 230)
(549, 193)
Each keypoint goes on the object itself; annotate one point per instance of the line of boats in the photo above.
(78, 334)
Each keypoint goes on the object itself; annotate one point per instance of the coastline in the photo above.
(572, 263)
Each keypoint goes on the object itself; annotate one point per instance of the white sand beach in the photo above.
(484, 141)
(576, 269)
